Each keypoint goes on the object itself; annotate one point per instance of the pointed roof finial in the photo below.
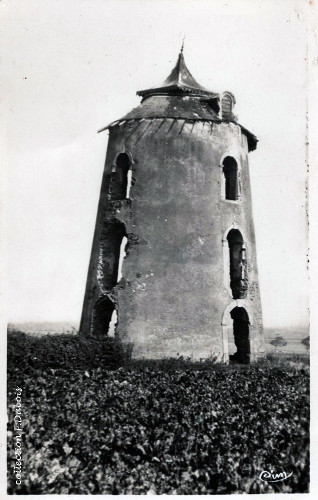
(179, 82)
(182, 46)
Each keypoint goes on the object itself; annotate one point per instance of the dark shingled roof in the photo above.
(164, 106)
(180, 81)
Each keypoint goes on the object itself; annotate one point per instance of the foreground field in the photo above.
(92, 426)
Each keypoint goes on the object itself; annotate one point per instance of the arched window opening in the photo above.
(241, 336)
(112, 239)
(120, 184)
(102, 315)
(231, 178)
(238, 274)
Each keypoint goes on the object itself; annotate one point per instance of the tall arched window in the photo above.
(230, 173)
(238, 274)
(119, 183)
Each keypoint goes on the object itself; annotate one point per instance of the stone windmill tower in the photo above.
(173, 265)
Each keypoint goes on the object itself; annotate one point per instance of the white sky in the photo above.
(73, 66)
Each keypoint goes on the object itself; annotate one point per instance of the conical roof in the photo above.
(179, 82)
(173, 100)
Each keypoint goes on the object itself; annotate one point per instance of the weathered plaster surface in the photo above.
(174, 296)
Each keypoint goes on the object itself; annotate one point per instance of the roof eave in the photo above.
(182, 89)
(251, 138)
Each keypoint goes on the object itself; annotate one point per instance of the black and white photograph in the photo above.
(156, 243)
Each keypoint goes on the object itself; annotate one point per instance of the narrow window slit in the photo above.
(122, 255)
(129, 180)
(112, 324)
(113, 242)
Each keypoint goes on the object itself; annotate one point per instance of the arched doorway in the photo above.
(102, 316)
(241, 332)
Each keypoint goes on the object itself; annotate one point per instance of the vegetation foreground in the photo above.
(95, 423)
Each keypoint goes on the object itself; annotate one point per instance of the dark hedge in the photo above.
(91, 426)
